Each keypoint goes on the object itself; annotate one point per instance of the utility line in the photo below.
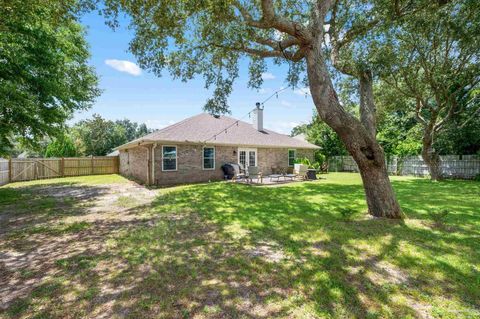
(225, 130)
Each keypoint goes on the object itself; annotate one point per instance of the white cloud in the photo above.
(263, 91)
(284, 127)
(268, 76)
(124, 66)
(302, 91)
(286, 103)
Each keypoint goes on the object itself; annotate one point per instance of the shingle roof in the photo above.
(205, 128)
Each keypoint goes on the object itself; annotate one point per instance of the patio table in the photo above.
(277, 176)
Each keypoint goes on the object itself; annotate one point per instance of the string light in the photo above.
(249, 115)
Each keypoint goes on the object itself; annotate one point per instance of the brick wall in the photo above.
(134, 163)
(278, 157)
(190, 165)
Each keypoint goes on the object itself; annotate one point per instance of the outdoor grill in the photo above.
(229, 170)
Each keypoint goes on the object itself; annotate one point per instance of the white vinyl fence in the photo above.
(453, 166)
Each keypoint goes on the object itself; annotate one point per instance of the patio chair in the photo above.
(324, 168)
(254, 173)
(239, 173)
(301, 171)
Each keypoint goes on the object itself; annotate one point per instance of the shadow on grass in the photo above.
(224, 250)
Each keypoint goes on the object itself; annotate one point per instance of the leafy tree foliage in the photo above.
(319, 133)
(44, 75)
(61, 147)
(132, 130)
(98, 136)
(432, 60)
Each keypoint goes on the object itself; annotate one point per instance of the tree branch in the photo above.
(418, 110)
(292, 56)
(271, 20)
(477, 112)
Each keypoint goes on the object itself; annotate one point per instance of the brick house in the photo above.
(194, 150)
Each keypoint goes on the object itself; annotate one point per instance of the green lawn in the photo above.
(223, 250)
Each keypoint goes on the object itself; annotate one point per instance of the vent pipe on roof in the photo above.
(258, 117)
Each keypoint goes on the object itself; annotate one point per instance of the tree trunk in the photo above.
(359, 141)
(430, 156)
(367, 102)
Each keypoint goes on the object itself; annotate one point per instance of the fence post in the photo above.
(62, 167)
(91, 165)
(10, 170)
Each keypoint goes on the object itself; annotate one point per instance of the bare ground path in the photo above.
(51, 224)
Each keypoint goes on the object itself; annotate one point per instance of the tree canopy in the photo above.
(44, 71)
(98, 136)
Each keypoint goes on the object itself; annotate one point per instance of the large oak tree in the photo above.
(209, 38)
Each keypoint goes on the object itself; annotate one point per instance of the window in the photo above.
(247, 157)
(292, 154)
(242, 158)
(208, 158)
(251, 158)
(169, 158)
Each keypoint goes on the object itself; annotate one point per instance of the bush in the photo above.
(304, 161)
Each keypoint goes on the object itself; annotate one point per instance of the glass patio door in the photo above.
(247, 157)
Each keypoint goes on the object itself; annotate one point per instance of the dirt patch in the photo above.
(64, 227)
(268, 251)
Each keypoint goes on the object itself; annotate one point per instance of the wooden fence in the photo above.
(16, 169)
(452, 166)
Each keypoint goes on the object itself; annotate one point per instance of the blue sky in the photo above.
(129, 92)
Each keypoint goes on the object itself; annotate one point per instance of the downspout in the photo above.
(153, 163)
(149, 162)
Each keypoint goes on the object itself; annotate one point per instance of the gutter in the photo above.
(186, 142)
(133, 144)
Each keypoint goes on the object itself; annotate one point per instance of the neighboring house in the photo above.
(195, 149)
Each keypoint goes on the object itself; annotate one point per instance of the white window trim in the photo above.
(247, 156)
(294, 156)
(203, 158)
(176, 159)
